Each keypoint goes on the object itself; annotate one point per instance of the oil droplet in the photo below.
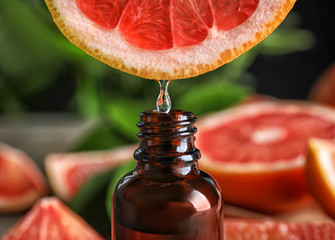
(163, 103)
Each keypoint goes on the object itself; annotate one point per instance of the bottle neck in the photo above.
(167, 137)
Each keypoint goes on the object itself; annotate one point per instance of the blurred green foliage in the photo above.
(35, 56)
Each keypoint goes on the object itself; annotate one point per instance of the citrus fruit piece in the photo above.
(271, 230)
(67, 172)
(320, 173)
(257, 151)
(167, 39)
(50, 219)
(21, 181)
(324, 87)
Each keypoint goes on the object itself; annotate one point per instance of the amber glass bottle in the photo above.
(167, 197)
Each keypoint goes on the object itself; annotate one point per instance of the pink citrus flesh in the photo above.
(67, 172)
(176, 23)
(21, 181)
(257, 151)
(50, 219)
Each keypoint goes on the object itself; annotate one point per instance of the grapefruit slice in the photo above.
(257, 151)
(50, 219)
(67, 172)
(21, 181)
(320, 173)
(324, 87)
(271, 230)
(167, 39)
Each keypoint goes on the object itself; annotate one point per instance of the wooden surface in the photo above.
(310, 211)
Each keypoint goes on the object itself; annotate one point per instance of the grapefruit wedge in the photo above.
(257, 151)
(50, 219)
(270, 230)
(320, 173)
(67, 172)
(167, 39)
(21, 181)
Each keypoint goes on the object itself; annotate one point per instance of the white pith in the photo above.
(212, 121)
(112, 44)
(57, 165)
(268, 135)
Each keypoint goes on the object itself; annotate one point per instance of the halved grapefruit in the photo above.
(50, 219)
(320, 173)
(21, 181)
(324, 87)
(257, 151)
(236, 229)
(67, 172)
(167, 39)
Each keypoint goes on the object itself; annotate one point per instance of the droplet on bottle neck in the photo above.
(163, 103)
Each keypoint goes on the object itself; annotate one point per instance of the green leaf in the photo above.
(103, 136)
(92, 186)
(235, 70)
(288, 40)
(124, 115)
(118, 174)
(90, 201)
(203, 98)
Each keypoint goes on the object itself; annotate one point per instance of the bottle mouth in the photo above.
(167, 137)
(166, 125)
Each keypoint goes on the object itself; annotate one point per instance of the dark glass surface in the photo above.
(167, 197)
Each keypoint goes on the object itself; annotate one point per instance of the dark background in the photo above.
(293, 75)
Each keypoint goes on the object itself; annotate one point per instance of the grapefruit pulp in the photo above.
(21, 181)
(320, 173)
(257, 151)
(67, 172)
(271, 230)
(167, 39)
(50, 219)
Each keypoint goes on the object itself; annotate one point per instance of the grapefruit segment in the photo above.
(256, 151)
(270, 230)
(67, 172)
(167, 39)
(50, 219)
(320, 173)
(105, 13)
(145, 24)
(21, 182)
(188, 21)
(229, 14)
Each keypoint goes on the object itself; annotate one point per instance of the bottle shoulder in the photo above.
(134, 186)
(192, 200)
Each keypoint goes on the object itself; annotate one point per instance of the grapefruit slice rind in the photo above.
(21, 181)
(320, 173)
(218, 48)
(67, 172)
